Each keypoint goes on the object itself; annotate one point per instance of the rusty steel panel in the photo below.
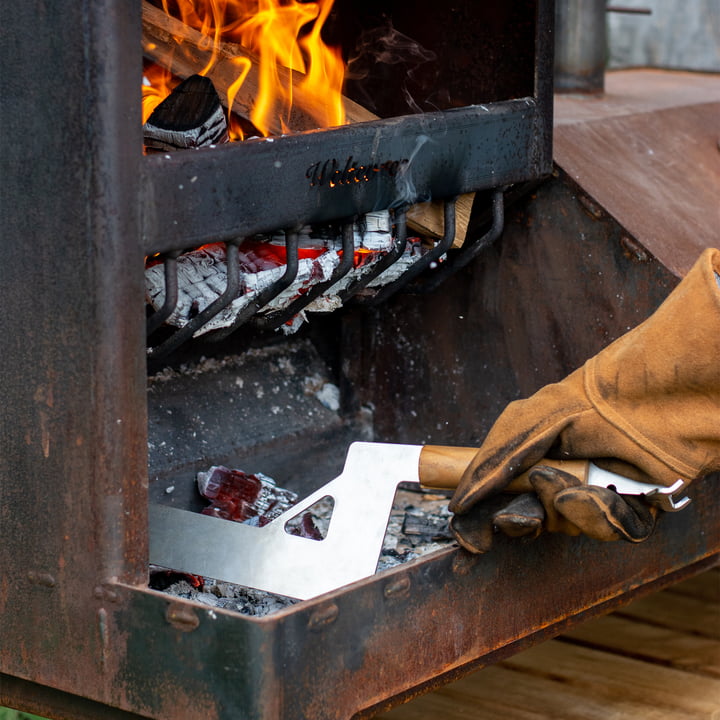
(72, 381)
(81, 635)
(375, 642)
(563, 281)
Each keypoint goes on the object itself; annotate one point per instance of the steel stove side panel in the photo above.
(72, 381)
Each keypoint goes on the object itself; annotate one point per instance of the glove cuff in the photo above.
(660, 383)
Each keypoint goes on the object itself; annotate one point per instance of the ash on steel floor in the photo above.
(656, 659)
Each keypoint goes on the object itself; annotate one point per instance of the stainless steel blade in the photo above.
(659, 495)
(268, 558)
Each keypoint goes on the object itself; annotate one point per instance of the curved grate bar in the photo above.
(274, 320)
(384, 263)
(171, 293)
(470, 249)
(267, 295)
(231, 292)
(426, 260)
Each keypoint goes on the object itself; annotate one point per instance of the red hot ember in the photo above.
(252, 499)
(242, 497)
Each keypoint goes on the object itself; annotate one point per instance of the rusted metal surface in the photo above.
(656, 173)
(406, 630)
(563, 281)
(80, 632)
(72, 416)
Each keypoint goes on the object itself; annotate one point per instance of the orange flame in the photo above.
(157, 85)
(285, 38)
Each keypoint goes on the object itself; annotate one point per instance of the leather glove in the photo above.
(647, 407)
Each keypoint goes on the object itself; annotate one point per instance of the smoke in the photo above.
(405, 192)
(384, 45)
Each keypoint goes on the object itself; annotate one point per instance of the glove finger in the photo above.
(474, 530)
(523, 435)
(604, 515)
(489, 474)
(523, 517)
(548, 482)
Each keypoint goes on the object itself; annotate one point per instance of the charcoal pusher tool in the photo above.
(269, 558)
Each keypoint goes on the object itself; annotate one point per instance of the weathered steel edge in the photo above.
(546, 633)
(375, 642)
(46, 701)
(73, 426)
(216, 194)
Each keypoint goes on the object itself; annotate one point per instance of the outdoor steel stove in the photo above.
(80, 207)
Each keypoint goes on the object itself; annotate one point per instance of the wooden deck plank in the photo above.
(607, 679)
(657, 659)
(650, 643)
(705, 586)
(678, 612)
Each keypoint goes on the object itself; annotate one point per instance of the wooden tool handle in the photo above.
(442, 466)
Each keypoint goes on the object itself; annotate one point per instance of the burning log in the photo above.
(185, 51)
(427, 218)
(190, 117)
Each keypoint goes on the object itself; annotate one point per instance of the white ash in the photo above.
(231, 597)
(329, 396)
(277, 358)
(412, 254)
(327, 393)
(202, 274)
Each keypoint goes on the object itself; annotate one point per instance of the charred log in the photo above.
(190, 117)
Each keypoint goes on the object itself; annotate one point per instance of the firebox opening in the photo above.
(296, 66)
(276, 252)
(426, 56)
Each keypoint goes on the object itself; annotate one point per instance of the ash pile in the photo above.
(418, 525)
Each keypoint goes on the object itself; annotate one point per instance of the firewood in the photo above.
(195, 53)
(190, 117)
(427, 218)
(189, 57)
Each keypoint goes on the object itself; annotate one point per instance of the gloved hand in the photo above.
(647, 407)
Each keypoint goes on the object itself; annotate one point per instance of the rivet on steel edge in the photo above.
(105, 593)
(398, 587)
(324, 616)
(41, 578)
(590, 206)
(182, 617)
(633, 250)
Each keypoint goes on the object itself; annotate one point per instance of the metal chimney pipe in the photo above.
(580, 46)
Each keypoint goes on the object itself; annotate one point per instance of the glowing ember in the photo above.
(275, 39)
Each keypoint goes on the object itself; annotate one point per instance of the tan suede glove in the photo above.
(647, 407)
